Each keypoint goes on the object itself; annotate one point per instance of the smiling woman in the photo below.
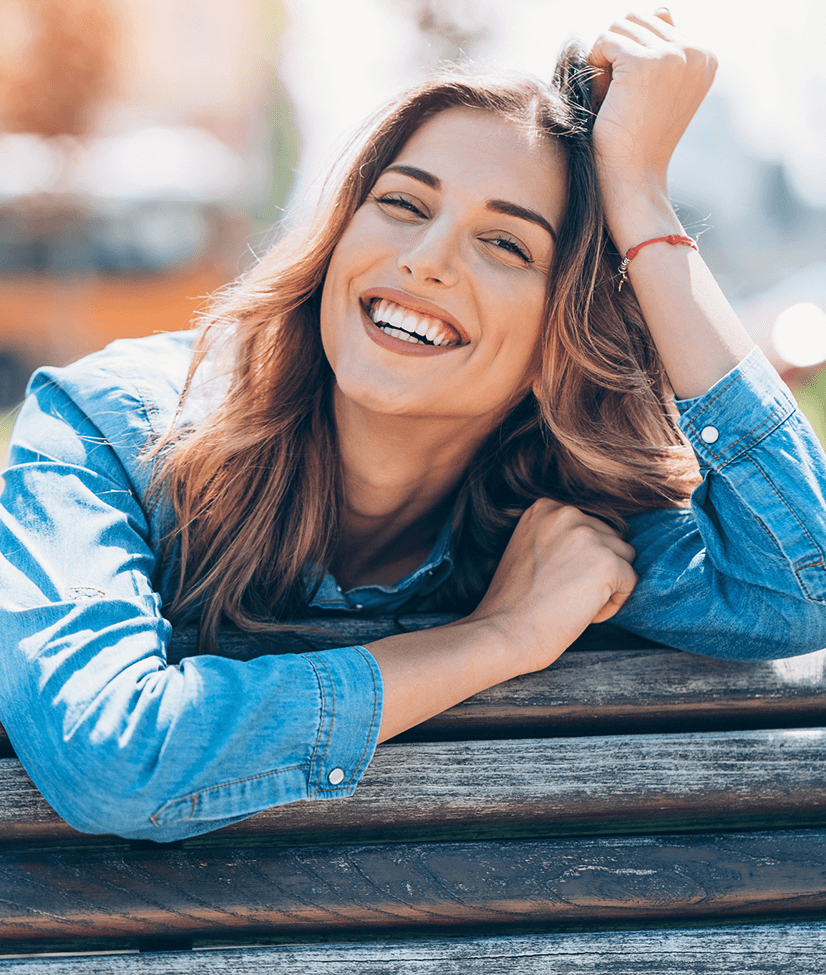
(444, 253)
(435, 396)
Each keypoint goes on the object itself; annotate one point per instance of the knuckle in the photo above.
(677, 58)
(539, 510)
(568, 514)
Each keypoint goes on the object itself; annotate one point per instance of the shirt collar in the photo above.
(420, 582)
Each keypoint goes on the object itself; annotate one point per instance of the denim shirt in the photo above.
(120, 742)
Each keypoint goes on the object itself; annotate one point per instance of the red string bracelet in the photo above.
(670, 239)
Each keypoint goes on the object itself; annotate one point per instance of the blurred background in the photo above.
(148, 149)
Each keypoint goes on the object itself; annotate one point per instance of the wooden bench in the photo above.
(631, 809)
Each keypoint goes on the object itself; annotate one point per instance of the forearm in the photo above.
(696, 331)
(426, 672)
(654, 82)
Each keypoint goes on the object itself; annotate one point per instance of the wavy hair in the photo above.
(253, 485)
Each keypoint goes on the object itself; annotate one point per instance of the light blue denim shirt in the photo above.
(119, 742)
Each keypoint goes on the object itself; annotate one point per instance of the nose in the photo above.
(432, 254)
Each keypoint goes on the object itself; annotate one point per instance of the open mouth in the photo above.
(410, 326)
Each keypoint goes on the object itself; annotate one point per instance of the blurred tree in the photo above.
(453, 27)
(56, 61)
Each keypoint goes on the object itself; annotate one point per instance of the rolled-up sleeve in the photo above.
(741, 572)
(117, 740)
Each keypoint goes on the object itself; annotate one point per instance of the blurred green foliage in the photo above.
(6, 424)
(811, 397)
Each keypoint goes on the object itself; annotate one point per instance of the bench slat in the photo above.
(614, 691)
(772, 949)
(642, 690)
(243, 892)
(735, 780)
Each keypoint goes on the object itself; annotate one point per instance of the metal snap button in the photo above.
(710, 434)
(336, 776)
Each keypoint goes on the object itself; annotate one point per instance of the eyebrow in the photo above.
(497, 206)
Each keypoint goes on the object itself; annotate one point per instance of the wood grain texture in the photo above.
(640, 783)
(776, 949)
(245, 892)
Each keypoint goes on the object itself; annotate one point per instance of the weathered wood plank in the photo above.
(732, 780)
(626, 691)
(775, 949)
(243, 892)
(630, 690)
(739, 950)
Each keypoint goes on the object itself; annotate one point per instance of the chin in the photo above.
(370, 394)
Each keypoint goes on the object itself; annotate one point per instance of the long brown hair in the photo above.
(253, 485)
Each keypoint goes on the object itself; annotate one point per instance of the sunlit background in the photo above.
(148, 149)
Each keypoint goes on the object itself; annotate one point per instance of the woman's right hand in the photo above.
(561, 571)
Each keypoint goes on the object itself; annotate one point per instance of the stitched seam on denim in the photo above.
(320, 788)
(317, 664)
(809, 595)
(720, 392)
(193, 798)
(803, 528)
(364, 656)
(150, 408)
(309, 657)
(749, 434)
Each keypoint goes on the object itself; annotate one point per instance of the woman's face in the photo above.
(452, 246)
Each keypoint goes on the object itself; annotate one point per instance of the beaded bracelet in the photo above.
(670, 239)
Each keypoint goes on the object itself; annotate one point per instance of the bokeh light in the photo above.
(799, 334)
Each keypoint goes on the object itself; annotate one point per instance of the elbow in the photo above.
(95, 783)
(98, 797)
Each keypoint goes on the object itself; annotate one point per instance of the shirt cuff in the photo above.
(739, 410)
(351, 707)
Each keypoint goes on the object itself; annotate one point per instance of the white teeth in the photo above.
(403, 336)
(404, 324)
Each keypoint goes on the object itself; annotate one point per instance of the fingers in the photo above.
(643, 30)
(557, 520)
(625, 584)
(658, 24)
(593, 534)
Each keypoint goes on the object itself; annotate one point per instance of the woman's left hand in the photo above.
(653, 83)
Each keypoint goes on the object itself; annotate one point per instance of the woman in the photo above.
(438, 393)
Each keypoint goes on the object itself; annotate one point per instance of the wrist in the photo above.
(637, 211)
(492, 646)
(511, 645)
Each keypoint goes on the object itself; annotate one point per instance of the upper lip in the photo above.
(420, 305)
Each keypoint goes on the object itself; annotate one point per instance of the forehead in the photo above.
(494, 153)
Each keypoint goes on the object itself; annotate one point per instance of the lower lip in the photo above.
(399, 345)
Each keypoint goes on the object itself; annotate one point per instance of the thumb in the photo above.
(664, 14)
